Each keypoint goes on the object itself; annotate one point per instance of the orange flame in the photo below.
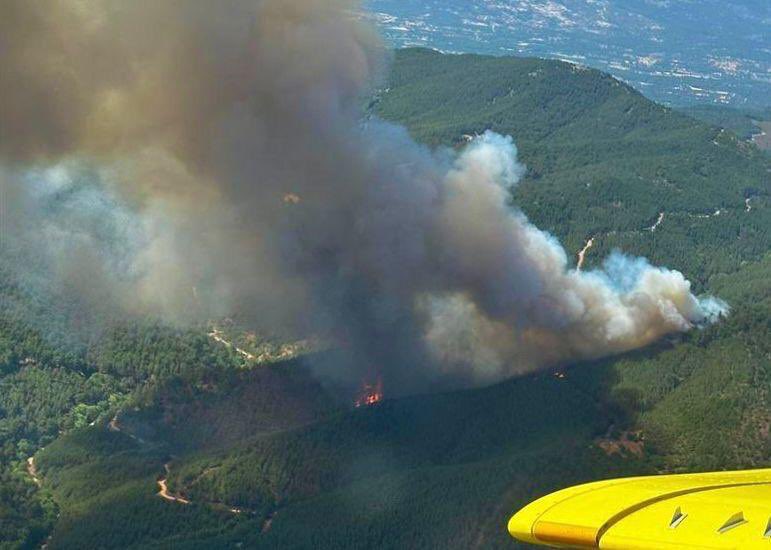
(370, 394)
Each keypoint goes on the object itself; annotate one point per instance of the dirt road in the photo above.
(658, 222)
(216, 335)
(163, 489)
(582, 253)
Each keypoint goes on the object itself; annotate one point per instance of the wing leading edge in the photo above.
(709, 511)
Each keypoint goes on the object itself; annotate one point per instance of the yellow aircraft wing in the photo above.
(708, 511)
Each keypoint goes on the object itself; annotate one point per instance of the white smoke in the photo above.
(554, 313)
(164, 162)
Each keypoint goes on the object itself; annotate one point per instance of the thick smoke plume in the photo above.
(197, 159)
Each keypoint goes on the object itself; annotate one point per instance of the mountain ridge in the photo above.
(446, 469)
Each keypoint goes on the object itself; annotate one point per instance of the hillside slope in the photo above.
(267, 458)
(602, 160)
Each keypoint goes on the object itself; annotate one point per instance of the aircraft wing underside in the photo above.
(708, 511)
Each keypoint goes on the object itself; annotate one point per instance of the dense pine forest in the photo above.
(260, 454)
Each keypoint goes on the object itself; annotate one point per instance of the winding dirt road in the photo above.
(163, 488)
(216, 336)
(166, 494)
(582, 253)
(658, 222)
(590, 243)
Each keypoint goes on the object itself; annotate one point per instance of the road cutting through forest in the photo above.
(163, 488)
(581, 258)
(166, 494)
(216, 336)
(582, 253)
(658, 222)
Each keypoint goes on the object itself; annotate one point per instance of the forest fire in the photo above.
(370, 394)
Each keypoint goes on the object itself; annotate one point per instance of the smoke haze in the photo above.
(200, 159)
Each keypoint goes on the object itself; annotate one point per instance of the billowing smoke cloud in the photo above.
(197, 159)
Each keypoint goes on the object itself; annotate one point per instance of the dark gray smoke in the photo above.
(195, 159)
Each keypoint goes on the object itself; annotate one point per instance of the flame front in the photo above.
(370, 394)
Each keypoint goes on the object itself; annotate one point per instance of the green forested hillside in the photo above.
(602, 160)
(742, 122)
(420, 463)
(269, 458)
